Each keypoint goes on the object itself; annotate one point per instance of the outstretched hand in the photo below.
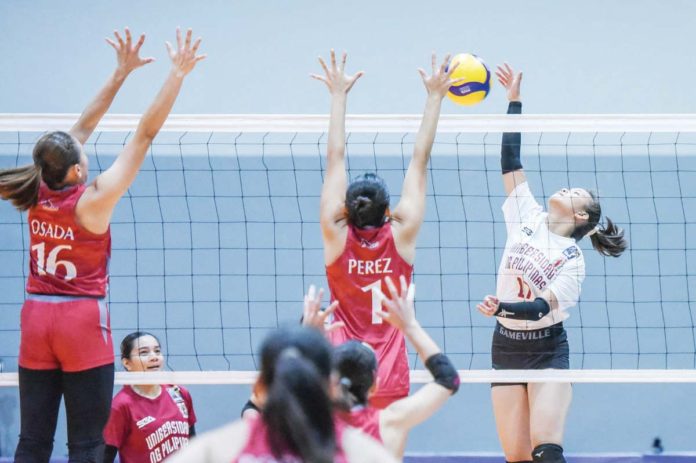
(127, 54)
(511, 80)
(400, 310)
(335, 78)
(439, 82)
(184, 57)
(313, 316)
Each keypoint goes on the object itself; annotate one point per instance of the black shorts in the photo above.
(530, 349)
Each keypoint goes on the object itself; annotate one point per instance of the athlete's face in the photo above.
(146, 355)
(571, 202)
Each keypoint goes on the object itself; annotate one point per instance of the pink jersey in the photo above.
(258, 450)
(148, 430)
(65, 258)
(354, 279)
(364, 418)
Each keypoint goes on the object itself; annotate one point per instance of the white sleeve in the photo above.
(568, 284)
(520, 207)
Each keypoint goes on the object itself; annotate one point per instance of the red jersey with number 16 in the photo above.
(65, 258)
(369, 256)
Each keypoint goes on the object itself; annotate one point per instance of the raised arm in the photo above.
(397, 419)
(128, 59)
(333, 192)
(408, 214)
(97, 203)
(510, 162)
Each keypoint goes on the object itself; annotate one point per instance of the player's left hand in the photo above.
(489, 306)
(127, 54)
(313, 316)
(439, 82)
(511, 80)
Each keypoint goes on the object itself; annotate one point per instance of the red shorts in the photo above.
(66, 333)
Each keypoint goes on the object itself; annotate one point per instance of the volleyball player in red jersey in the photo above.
(296, 423)
(365, 242)
(147, 422)
(356, 366)
(66, 348)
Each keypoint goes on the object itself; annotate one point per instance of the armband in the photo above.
(528, 310)
(443, 371)
(510, 147)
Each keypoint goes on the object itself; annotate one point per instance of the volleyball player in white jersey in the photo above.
(539, 279)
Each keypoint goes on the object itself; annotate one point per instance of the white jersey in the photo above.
(536, 260)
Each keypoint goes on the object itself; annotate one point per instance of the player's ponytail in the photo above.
(607, 240)
(53, 155)
(356, 366)
(20, 186)
(295, 369)
(367, 201)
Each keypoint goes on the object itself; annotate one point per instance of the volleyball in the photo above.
(478, 80)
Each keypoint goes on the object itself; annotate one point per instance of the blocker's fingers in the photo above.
(331, 308)
(196, 44)
(392, 288)
(323, 65)
(119, 38)
(334, 326)
(452, 68)
(140, 42)
(318, 77)
(333, 59)
(189, 34)
(343, 61)
(443, 66)
(433, 61)
(178, 38)
(112, 43)
(403, 285)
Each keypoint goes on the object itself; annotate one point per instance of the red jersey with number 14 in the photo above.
(65, 258)
(354, 278)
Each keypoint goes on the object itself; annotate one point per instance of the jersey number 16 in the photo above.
(50, 265)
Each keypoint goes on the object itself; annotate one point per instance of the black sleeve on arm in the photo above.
(443, 371)
(250, 405)
(192, 430)
(510, 148)
(110, 453)
(528, 310)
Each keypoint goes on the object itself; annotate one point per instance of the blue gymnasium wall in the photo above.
(585, 57)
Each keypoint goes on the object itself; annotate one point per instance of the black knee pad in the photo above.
(548, 453)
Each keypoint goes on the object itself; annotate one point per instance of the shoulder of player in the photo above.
(218, 445)
(362, 448)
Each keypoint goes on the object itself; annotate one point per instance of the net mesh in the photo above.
(218, 237)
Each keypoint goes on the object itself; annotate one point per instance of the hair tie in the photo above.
(290, 352)
(594, 230)
(345, 382)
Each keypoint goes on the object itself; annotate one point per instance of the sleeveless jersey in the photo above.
(364, 418)
(64, 257)
(146, 430)
(258, 450)
(535, 259)
(354, 279)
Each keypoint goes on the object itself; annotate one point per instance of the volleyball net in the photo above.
(218, 238)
